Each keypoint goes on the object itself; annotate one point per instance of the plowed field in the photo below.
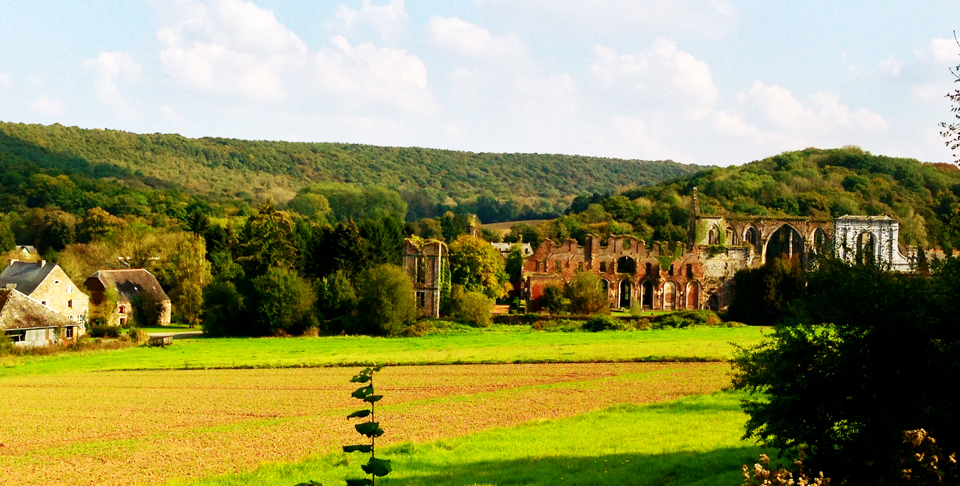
(122, 428)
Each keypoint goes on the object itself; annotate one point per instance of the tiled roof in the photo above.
(17, 311)
(131, 282)
(26, 275)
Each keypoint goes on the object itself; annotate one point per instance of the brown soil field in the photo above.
(149, 427)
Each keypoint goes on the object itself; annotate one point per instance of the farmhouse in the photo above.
(133, 285)
(697, 274)
(49, 285)
(27, 322)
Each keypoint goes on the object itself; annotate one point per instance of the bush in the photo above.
(553, 299)
(386, 302)
(112, 332)
(139, 336)
(586, 295)
(686, 318)
(475, 307)
(605, 323)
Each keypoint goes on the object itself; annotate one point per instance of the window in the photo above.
(43, 302)
(603, 266)
(121, 309)
(421, 300)
(421, 270)
(689, 270)
(70, 329)
(123, 320)
(649, 269)
(670, 270)
(557, 265)
(70, 304)
(56, 282)
(69, 289)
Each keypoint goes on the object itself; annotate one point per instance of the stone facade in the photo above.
(874, 237)
(130, 284)
(27, 322)
(423, 261)
(48, 284)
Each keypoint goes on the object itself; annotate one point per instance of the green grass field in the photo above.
(496, 344)
(691, 441)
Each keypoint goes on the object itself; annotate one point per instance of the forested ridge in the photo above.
(924, 197)
(255, 171)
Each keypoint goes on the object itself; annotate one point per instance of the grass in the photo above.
(134, 427)
(496, 344)
(691, 441)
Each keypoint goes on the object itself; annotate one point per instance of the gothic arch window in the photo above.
(713, 237)
(752, 236)
(626, 265)
(819, 240)
(669, 295)
(732, 237)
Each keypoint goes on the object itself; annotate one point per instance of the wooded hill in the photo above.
(254, 171)
(925, 197)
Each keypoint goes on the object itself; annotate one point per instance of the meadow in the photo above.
(275, 408)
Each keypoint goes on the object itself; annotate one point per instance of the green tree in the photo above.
(478, 267)
(96, 224)
(336, 295)
(281, 302)
(266, 241)
(185, 270)
(386, 299)
(586, 295)
(475, 307)
(870, 355)
(223, 311)
(7, 242)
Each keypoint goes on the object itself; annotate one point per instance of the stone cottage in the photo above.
(130, 283)
(27, 322)
(49, 285)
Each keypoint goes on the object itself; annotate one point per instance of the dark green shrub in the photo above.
(281, 303)
(112, 332)
(605, 323)
(553, 299)
(686, 318)
(223, 313)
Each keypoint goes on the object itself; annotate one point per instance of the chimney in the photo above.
(42, 263)
(13, 260)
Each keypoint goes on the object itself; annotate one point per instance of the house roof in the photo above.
(26, 275)
(19, 311)
(506, 248)
(130, 283)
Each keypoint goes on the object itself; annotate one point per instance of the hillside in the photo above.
(816, 183)
(260, 170)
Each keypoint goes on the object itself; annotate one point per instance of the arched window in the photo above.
(785, 243)
(669, 295)
(647, 298)
(626, 265)
(819, 240)
(753, 237)
(603, 267)
(625, 294)
(732, 237)
(866, 248)
(713, 236)
(693, 295)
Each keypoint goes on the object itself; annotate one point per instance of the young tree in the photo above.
(266, 241)
(223, 312)
(586, 295)
(478, 266)
(386, 299)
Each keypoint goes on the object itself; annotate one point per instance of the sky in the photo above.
(711, 82)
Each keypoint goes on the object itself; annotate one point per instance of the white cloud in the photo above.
(389, 20)
(5, 81)
(111, 67)
(822, 113)
(661, 78)
(469, 40)
(373, 75)
(632, 137)
(941, 51)
(236, 49)
(891, 67)
(710, 17)
(227, 46)
(169, 114)
(46, 106)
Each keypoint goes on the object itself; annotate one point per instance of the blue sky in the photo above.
(697, 81)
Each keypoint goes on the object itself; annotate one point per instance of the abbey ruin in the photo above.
(696, 274)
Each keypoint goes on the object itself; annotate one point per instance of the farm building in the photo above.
(133, 285)
(48, 284)
(27, 322)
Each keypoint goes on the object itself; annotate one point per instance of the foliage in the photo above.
(553, 299)
(138, 336)
(764, 295)
(280, 302)
(759, 475)
(351, 202)
(104, 313)
(223, 310)
(586, 295)
(885, 361)
(605, 323)
(514, 265)
(146, 311)
(266, 241)
(336, 295)
(478, 266)
(475, 307)
(385, 299)
(686, 318)
(370, 428)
